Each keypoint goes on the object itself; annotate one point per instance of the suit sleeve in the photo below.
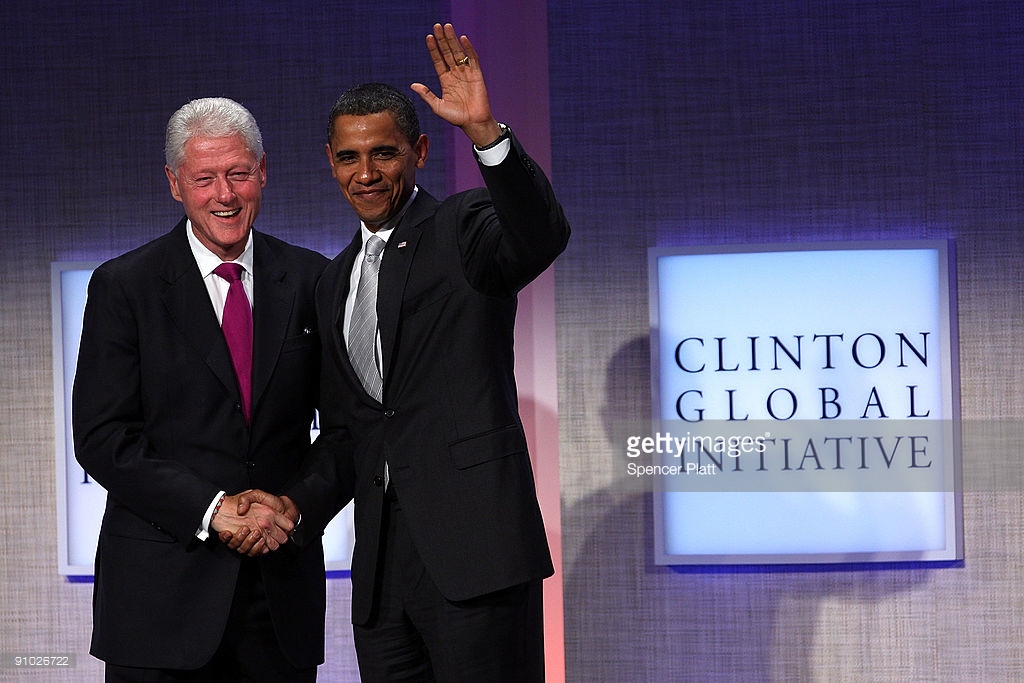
(325, 485)
(510, 233)
(108, 421)
(326, 482)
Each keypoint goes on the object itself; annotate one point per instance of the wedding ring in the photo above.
(462, 62)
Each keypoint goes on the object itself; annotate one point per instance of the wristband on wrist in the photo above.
(216, 508)
(501, 138)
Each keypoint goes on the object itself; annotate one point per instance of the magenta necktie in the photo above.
(237, 327)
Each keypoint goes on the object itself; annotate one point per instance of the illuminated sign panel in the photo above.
(806, 404)
(80, 500)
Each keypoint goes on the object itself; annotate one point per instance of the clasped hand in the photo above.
(255, 522)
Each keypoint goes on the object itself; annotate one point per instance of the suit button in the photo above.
(389, 413)
(378, 480)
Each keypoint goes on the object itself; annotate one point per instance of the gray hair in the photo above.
(213, 117)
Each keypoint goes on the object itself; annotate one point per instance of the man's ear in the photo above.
(173, 180)
(420, 148)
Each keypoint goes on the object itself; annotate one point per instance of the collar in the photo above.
(385, 230)
(207, 260)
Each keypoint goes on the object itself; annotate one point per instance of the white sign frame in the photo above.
(945, 500)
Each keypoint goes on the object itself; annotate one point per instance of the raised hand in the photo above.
(463, 101)
(253, 525)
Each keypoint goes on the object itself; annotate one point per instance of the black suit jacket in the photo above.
(157, 422)
(449, 426)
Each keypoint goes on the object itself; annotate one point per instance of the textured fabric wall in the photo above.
(752, 122)
(87, 91)
(673, 123)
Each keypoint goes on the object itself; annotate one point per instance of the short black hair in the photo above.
(373, 98)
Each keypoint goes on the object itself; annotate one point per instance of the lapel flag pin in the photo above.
(401, 244)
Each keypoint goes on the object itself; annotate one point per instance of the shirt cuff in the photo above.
(203, 532)
(492, 156)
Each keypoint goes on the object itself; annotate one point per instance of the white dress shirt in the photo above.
(217, 288)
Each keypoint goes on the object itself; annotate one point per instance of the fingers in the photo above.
(470, 52)
(462, 100)
(425, 94)
(253, 545)
(262, 522)
(291, 510)
(245, 541)
(436, 58)
(448, 44)
(448, 50)
(274, 527)
(247, 498)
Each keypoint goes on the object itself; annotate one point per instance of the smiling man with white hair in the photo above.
(197, 380)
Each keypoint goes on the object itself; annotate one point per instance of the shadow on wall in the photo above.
(627, 619)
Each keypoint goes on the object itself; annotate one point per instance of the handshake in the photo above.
(255, 522)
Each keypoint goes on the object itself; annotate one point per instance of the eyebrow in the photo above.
(379, 148)
(234, 168)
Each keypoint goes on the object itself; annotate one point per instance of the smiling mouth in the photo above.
(227, 214)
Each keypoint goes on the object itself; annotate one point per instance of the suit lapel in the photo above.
(338, 295)
(188, 304)
(274, 299)
(394, 273)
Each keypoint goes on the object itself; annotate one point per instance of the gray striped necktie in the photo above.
(362, 332)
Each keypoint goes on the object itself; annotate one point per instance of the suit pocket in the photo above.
(301, 342)
(120, 522)
(492, 445)
(420, 301)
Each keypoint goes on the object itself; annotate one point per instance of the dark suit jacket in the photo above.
(449, 426)
(157, 422)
